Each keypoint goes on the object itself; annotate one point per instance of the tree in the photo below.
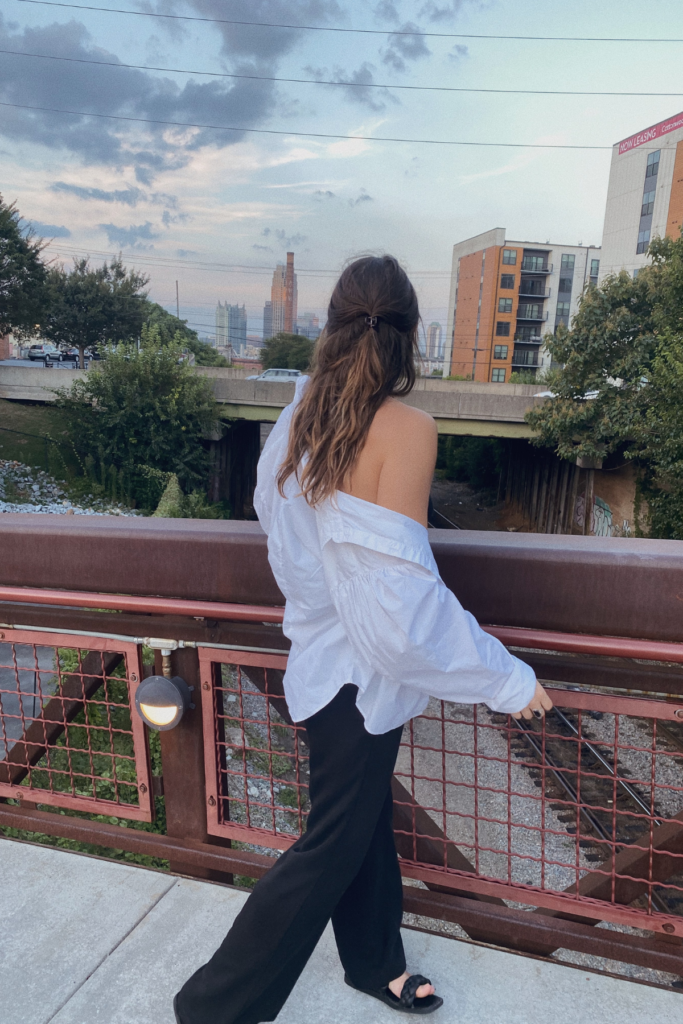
(90, 308)
(171, 328)
(142, 414)
(287, 351)
(598, 389)
(621, 386)
(22, 274)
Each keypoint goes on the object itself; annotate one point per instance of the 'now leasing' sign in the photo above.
(650, 134)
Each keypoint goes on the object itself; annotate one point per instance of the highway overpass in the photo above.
(459, 407)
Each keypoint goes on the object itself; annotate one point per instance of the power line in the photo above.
(305, 135)
(352, 31)
(259, 269)
(319, 81)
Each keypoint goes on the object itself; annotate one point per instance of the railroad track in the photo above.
(611, 809)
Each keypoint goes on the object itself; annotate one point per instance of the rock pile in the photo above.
(25, 489)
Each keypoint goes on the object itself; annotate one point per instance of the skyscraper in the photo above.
(268, 320)
(277, 300)
(434, 341)
(290, 295)
(231, 327)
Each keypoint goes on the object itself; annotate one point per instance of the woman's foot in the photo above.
(397, 984)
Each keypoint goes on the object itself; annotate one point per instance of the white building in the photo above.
(644, 196)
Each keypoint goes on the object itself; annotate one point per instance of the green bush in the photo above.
(474, 460)
(142, 414)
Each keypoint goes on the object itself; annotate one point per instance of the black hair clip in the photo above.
(371, 321)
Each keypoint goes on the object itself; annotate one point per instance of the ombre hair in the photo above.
(365, 354)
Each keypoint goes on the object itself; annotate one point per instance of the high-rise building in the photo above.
(268, 320)
(505, 296)
(434, 347)
(290, 295)
(277, 300)
(644, 195)
(308, 324)
(231, 327)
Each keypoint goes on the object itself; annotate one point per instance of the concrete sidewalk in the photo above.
(86, 941)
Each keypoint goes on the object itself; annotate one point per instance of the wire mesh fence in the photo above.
(580, 813)
(67, 735)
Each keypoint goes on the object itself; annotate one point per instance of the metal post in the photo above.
(177, 301)
(182, 755)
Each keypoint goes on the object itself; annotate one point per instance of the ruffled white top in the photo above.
(365, 605)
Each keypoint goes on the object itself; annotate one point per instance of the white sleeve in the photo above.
(404, 621)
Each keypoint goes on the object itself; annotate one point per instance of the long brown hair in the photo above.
(365, 354)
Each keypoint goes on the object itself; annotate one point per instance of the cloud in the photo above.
(322, 194)
(361, 91)
(386, 10)
(129, 236)
(445, 12)
(458, 52)
(187, 252)
(363, 197)
(49, 230)
(289, 241)
(118, 91)
(262, 248)
(169, 218)
(404, 48)
(130, 196)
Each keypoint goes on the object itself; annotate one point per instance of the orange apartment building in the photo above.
(505, 296)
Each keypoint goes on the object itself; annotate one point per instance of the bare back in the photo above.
(396, 466)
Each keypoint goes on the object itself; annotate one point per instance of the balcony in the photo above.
(531, 265)
(521, 358)
(531, 311)
(525, 294)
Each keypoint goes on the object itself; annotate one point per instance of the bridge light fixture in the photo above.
(162, 702)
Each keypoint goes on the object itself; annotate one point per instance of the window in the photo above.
(500, 351)
(507, 281)
(498, 376)
(635, 273)
(595, 267)
(568, 260)
(652, 164)
(563, 309)
(530, 311)
(504, 305)
(535, 263)
(503, 329)
(648, 203)
(643, 240)
(565, 284)
(509, 255)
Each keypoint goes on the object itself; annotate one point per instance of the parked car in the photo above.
(47, 353)
(275, 374)
(69, 355)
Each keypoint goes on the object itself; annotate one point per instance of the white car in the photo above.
(273, 374)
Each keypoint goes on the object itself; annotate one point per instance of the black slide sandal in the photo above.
(407, 1002)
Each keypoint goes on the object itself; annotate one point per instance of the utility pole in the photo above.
(177, 301)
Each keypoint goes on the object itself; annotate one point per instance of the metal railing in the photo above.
(576, 819)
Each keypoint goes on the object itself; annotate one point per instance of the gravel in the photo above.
(26, 489)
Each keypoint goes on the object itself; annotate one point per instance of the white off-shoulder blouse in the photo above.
(365, 605)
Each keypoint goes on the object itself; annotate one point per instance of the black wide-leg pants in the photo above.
(344, 867)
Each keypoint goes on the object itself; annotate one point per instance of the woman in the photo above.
(343, 489)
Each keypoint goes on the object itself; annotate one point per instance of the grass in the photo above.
(32, 421)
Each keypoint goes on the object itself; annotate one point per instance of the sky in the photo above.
(215, 210)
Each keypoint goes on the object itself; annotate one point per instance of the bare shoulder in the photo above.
(395, 417)
(406, 438)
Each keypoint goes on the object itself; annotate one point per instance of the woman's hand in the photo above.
(537, 706)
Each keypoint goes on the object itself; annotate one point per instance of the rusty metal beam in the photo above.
(197, 855)
(56, 715)
(600, 586)
(527, 932)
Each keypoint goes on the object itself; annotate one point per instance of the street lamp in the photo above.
(162, 702)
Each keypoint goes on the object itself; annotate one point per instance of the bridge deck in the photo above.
(90, 940)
